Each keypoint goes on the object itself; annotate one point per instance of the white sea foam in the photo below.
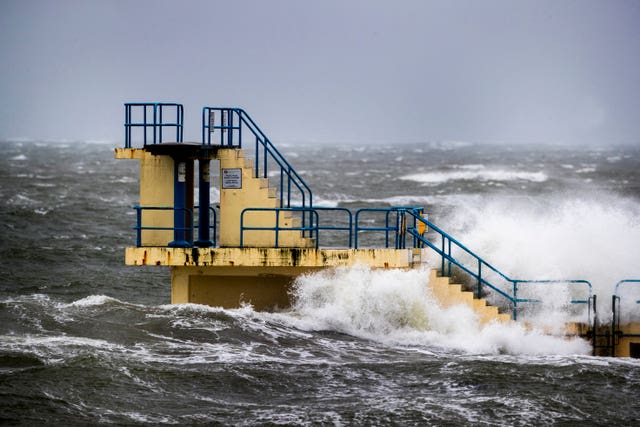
(475, 174)
(396, 308)
(93, 300)
(586, 169)
(55, 349)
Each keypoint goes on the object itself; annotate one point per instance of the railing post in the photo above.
(127, 126)
(386, 233)
(139, 226)
(155, 122)
(277, 226)
(242, 228)
(401, 229)
(160, 126)
(615, 321)
(515, 300)
(230, 126)
(594, 335)
(213, 225)
(449, 257)
(479, 279)
(144, 127)
(443, 255)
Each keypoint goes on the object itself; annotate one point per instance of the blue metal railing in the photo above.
(348, 228)
(626, 282)
(278, 228)
(190, 228)
(226, 127)
(616, 331)
(231, 125)
(316, 226)
(152, 116)
(398, 222)
(479, 270)
(397, 227)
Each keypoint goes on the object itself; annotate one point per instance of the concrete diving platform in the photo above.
(262, 277)
(262, 229)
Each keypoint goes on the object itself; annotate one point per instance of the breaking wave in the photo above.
(475, 174)
(395, 307)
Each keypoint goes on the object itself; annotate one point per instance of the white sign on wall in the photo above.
(231, 178)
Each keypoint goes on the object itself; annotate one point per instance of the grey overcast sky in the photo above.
(504, 71)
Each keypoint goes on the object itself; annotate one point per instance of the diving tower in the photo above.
(264, 231)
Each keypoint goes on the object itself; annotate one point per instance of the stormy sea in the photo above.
(86, 340)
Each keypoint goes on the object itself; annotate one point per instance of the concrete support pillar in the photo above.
(204, 237)
(182, 200)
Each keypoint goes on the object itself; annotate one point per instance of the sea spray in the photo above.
(395, 307)
(589, 236)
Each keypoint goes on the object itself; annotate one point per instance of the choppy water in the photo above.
(85, 339)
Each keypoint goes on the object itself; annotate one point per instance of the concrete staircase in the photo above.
(255, 193)
(450, 294)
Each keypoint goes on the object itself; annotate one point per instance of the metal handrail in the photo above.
(624, 282)
(445, 252)
(616, 331)
(157, 124)
(398, 227)
(212, 226)
(387, 228)
(333, 227)
(139, 227)
(228, 125)
(278, 228)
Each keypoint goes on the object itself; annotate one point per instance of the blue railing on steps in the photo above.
(394, 223)
(478, 271)
(230, 127)
(398, 223)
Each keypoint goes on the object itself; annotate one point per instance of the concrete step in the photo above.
(452, 293)
(264, 182)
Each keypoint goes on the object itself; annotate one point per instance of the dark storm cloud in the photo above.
(365, 71)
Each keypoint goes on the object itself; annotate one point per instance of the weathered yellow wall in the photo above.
(255, 193)
(623, 347)
(271, 257)
(230, 287)
(262, 277)
(449, 294)
(156, 189)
